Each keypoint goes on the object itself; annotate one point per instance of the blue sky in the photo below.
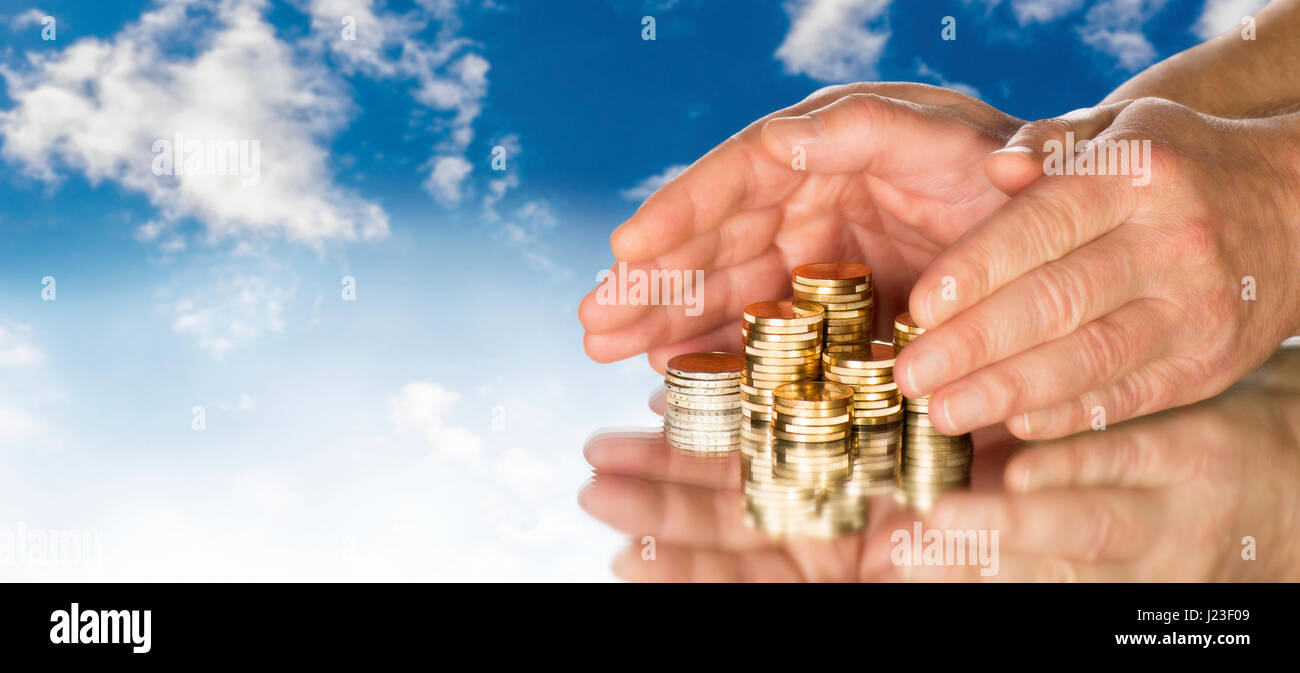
(356, 438)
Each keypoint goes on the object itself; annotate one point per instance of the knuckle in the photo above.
(1057, 297)
(1054, 217)
(869, 109)
(1105, 349)
(1011, 384)
(976, 342)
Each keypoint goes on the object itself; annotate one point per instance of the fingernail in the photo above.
(926, 371)
(964, 408)
(797, 131)
(586, 493)
(1017, 149)
(1037, 421)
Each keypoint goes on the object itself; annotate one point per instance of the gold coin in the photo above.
(825, 299)
(752, 337)
(809, 438)
(706, 365)
(796, 412)
(832, 274)
(783, 352)
(763, 360)
(882, 395)
(787, 313)
(814, 394)
(864, 405)
(811, 369)
(810, 421)
(904, 323)
(830, 374)
(784, 378)
(878, 356)
(861, 313)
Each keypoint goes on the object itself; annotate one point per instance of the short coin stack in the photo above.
(703, 411)
(932, 462)
(869, 371)
(783, 344)
(905, 330)
(811, 423)
(844, 289)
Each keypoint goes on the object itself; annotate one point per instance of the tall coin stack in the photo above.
(811, 423)
(844, 289)
(932, 462)
(703, 411)
(869, 371)
(783, 344)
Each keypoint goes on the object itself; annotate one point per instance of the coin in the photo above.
(832, 274)
(786, 313)
(706, 365)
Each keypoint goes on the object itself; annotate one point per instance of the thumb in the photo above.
(886, 137)
(1020, 163)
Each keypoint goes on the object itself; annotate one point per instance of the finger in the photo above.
(743, 237)
(1047, 303)
(1081, 525)
(675, 563)
(672, 513)
(1138, 457)
(1096, 354)
(736, 175)
(725, 339)
(1160, 384)
(722, 299)
(1019, 164)
(650, 458)
(1052, 218)
(887, 137)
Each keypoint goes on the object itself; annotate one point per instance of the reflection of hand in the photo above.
(1091, 291)
(1170, 497)
(894, 174)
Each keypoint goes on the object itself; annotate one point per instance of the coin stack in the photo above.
(869, 371)
(844, 289)
(811, 422)
(783, 344)
(905, 330)
(703, 411)
(932, 462)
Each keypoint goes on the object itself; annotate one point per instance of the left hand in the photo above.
(1098, 297)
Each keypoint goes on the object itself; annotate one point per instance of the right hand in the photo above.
(894, 176)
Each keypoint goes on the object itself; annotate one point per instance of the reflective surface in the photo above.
(1202, 493)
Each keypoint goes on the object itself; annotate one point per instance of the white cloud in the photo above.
(642, 190)
(834, 40)
(524, 232)
(15, 351)
(1042, 11)
(31, 17)
(1114, 27)
(444, 182)
(426, 408)
(235, 313)
(448, 76)
(98, 106)
(1218, 16)
(509, 179)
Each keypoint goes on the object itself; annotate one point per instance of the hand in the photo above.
(1090, 297)
(894, 174)
(1168, 498)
